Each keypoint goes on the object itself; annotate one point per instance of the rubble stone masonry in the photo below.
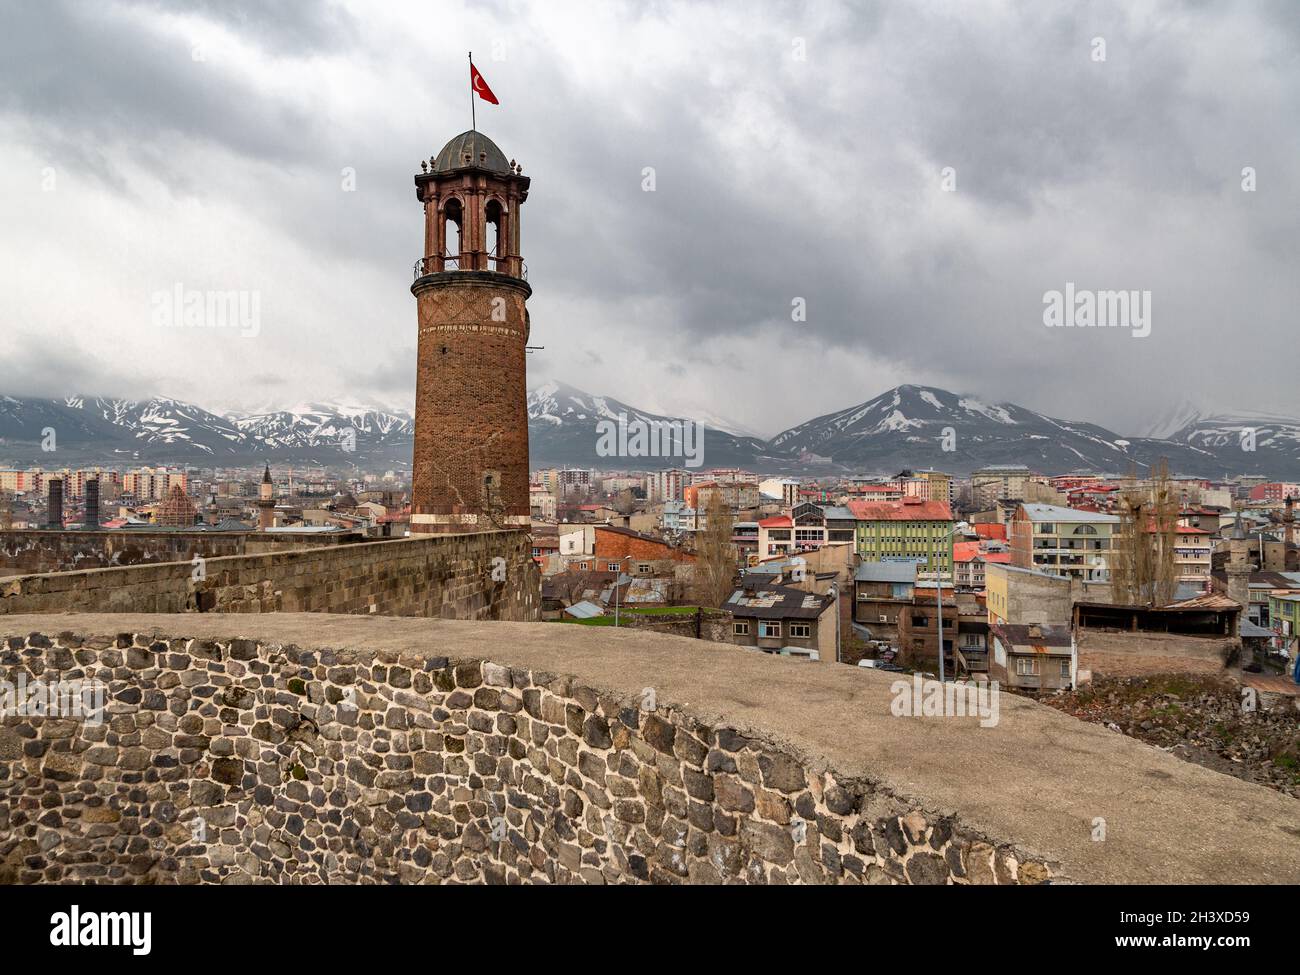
(25, 551)
(238, 761)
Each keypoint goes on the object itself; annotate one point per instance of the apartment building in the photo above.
(666, 485)
(997, 481)
(784, 488)
(1193, 555)
(1062, 541)
(736, 495)
(906, 530)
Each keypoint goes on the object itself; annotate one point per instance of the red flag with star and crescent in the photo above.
(480, 86)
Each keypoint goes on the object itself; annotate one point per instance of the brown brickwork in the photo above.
(611, 544)
(471, 414)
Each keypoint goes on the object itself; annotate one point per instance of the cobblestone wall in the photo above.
(484, 575)
(238, 762)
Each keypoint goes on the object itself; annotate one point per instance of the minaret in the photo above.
(471, 412)
(1238, 569)
(266, 502)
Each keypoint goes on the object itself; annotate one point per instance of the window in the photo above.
(643, 567)
(769, 628)
(1065, 669)
(612, 566)
(740, 628)
(801, 630)
(920, 621)
(1026, 666)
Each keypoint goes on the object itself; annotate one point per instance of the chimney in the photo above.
(54, 511)
(92, 504)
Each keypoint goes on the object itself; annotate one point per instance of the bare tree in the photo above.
(625, 502)
(715, 555)
(1143, 569)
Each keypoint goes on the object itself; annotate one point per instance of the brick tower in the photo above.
(471, 410)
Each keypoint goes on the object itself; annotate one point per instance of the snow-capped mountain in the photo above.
(89, 430)
(922, 426)
(563, 428)
(906, 427)
(1173, 420)
(317, 425)
(1252, 443)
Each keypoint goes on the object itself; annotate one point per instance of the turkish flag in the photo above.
(480, 86)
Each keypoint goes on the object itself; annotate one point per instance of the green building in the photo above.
(911, 529)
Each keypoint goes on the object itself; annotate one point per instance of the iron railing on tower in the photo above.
(437, 263)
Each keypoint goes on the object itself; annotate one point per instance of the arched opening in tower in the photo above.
(495, 226)
(451, 230)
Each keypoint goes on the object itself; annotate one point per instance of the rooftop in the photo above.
(472, 144)
(1051, 512)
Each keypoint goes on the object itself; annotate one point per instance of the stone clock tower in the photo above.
(471, 411)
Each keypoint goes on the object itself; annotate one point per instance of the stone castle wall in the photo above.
(486, 575)
(236, 761)
(27, 551)
(703, 624)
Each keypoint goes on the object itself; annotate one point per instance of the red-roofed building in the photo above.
(776, 536)
(969, 560)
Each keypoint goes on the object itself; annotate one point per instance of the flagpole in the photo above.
(473, 121)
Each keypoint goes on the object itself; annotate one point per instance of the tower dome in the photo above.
(471, 150)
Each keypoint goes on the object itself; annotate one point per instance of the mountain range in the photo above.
(905, 427)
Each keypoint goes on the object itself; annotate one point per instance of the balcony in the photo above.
(470, 261)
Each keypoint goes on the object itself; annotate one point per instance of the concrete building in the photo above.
(882, 592)
(1062, 541)
(1033, 656)
(784, 620)
(996, 482)
(905, 531)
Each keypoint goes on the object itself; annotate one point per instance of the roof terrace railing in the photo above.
(438, 263)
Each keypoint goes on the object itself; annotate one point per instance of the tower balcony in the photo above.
(471, 261)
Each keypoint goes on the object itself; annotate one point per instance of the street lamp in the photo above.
(938, 594)
(619, 563)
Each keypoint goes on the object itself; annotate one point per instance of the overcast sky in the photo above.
(150, 145)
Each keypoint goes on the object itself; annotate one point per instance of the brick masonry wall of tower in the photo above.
(471, 416)
(242, 761)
